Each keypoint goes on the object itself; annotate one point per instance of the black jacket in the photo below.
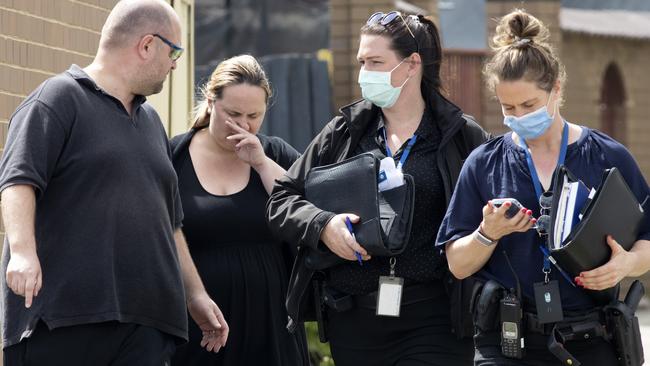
(295, 220)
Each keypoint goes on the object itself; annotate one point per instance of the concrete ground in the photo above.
(644, 321)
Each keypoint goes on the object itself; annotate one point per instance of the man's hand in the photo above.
(210, 320)
(24, 276)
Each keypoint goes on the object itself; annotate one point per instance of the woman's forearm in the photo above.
(467, 256)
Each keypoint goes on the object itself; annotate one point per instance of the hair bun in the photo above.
(519, 29)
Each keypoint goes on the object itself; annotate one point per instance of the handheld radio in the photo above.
(511, 314)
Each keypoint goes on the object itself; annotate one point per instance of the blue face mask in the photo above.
(377, 88)
(531, 125)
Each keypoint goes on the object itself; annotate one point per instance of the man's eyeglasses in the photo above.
(385, 19)
(543, 224)
(176, 51)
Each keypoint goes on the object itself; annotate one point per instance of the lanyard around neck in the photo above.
(405, 153)
(560, 158)
(538, 190)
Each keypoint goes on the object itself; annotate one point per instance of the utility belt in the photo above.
(615, 323)
(594, 318)
(331, 299)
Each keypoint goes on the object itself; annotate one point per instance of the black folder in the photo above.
(613, 210)
(351, 186)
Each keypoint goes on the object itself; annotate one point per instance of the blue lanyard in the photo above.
(538, 185)
(560, 159)
(405, 153)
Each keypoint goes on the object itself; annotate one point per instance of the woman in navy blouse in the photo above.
(479, 239)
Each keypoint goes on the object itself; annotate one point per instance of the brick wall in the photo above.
(585, 83)
(347, 17)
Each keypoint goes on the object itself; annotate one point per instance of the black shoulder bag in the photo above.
(351, 186)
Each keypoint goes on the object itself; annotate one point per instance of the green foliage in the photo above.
(319, 353)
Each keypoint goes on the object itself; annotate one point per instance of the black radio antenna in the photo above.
(514, 274)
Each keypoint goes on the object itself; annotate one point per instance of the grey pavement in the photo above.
(643, 313)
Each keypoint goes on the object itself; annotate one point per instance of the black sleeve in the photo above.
(279, 151)
(175, 141)
(473, 135)
(291, 217)
(172, 146)
(34, 144)
(179, 214)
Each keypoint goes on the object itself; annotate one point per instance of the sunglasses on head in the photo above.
(387, 18)
(176, 51)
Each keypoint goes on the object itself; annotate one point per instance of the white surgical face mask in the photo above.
(377, 88)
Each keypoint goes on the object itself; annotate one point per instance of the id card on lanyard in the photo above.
(547, 293)
(389, 289)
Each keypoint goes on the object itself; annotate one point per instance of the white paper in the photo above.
(393, 177)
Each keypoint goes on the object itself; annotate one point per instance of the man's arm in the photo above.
(203, 310)
(24, 275)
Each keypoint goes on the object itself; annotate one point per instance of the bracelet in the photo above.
(483, 239)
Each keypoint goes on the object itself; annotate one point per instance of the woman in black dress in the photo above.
(225, 173)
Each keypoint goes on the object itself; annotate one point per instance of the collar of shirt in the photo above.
(427, 130)
(83, 78)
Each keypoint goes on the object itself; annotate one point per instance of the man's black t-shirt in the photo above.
(107, 204)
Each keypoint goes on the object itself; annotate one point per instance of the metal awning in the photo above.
(613, 23)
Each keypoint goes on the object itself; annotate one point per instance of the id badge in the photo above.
(389, 296)
(548, 302)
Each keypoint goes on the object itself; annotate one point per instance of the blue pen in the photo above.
(348, 223)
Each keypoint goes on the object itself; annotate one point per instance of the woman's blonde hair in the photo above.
(521, 51)
(243, 69)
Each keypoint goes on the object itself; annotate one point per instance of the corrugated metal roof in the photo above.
(636, 5)
(462, 24)
(616, 23)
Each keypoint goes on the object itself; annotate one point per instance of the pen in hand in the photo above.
(348, 223)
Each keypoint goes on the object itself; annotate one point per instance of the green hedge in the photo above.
(318, 352)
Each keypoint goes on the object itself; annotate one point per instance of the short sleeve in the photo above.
(280, 151)
(34, 144)
(464, 213)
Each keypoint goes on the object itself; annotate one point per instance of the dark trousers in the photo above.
(420, 336)
(101, 344)
(595, 351)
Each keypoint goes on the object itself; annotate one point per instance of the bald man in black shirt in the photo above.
(97, 271)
